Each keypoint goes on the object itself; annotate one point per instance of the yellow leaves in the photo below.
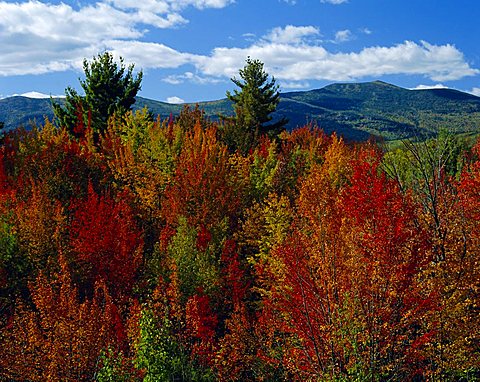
(266, 226)
(337, 165)
(40, 226)
(61, 338)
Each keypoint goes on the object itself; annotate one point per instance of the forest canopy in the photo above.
(155, 252)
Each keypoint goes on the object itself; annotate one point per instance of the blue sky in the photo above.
(189, 49)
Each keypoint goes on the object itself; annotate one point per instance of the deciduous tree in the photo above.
(60, 337)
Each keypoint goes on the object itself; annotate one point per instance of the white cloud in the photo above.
(313, 62)
(334, 1)
(343, 36)
(291, 34)
(426, 87)
(475, 91)
(199, 4)
(149, 54)
(175, 100)
(168, 6)
(38, 37)
(294, 85)
(34, 94)
(366, 31)
(191, 77)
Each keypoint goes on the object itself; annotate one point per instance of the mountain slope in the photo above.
(386, 110)
(355, 110)
(22, 111)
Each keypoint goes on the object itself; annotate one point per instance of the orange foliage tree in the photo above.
(58, 336)
(347, 300)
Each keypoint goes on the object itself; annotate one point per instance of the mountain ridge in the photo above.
(354, 110)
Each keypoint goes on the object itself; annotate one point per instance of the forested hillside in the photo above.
(354, 111)
(154, 252)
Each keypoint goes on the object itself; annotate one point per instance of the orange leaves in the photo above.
(348, 294)
(203, 189)
(382, 238)
(156, 252)
(40, 224)
(61, 337)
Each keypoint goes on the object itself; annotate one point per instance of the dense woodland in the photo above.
(184, 249)
(158, 254)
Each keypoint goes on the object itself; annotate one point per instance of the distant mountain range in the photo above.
(355, 110)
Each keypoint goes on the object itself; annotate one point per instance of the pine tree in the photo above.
(254, 102)
(109, 87)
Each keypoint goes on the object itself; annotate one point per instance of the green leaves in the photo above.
(110, 88)
(158, 255)
(254, 102)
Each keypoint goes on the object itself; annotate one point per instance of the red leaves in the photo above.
(349, 293)
(203, 238)
(331, 277)
(201, 324)
(106, 242)
(235, 280)
(4, 185)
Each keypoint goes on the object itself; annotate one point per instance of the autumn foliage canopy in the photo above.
(158, 253)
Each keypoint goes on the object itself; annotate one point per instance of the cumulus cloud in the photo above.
(475, 91)
(177, 79)
(38, 37)
(343, 36)
(313, 62)
(175, 100)
(149, 54)
(291, 34)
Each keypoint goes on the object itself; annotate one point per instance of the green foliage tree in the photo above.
(109, 87)
(254, 102)
(159, 355)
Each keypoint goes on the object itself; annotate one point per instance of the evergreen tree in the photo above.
(110, 88)
(2, 132)
(254, 102)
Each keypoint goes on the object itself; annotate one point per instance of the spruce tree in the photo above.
(254, 102)
(109, 87)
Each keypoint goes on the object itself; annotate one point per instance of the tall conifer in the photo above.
(109, 87)
(254, 102)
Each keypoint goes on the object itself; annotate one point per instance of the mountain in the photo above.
(23, 111)
(389, 111)
(354, 110)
